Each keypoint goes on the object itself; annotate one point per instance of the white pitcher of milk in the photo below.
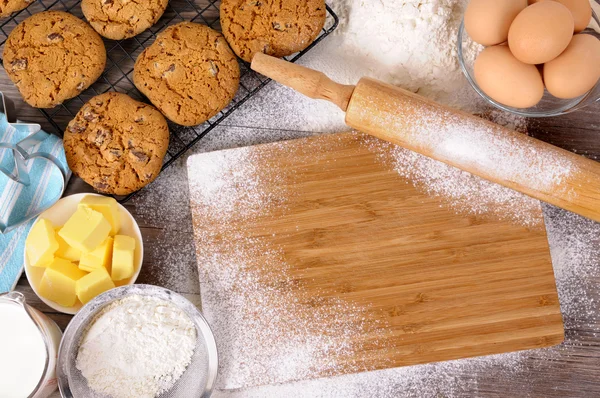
(29, 343)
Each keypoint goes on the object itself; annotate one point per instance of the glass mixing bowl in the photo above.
(549, 105)
(199, 377)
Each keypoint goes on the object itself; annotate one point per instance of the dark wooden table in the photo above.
(170, 262)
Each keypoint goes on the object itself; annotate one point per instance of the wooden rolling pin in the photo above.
(470, 143)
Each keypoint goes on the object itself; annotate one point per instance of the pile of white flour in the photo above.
(136, 347)
(408, 43)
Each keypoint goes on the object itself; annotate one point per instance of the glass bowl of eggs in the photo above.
(536, 58)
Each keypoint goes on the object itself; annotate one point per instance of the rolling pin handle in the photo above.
(309, 82)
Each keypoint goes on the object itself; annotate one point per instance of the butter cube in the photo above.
(108, 207)
(65, 251)
(86, 229)
(122, 260)
(59, 280)
(93, 284)
(99, 258)
(41, 243)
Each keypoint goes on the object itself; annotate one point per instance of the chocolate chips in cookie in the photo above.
(189, 73)
(53, 56)
(116, 144)
(276, 28)
(122, 19)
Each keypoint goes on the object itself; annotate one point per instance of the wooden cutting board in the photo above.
(433, 285)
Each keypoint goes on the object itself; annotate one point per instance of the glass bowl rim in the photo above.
(571, 106)
(86, 314)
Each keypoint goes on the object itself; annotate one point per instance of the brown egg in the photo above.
(506, 79)
(541, 32)
(581, 10)
(577, 70)
(487, 21)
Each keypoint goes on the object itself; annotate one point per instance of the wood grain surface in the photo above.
(414, 122)
(575, 373)
(374, 109)
(437, 285)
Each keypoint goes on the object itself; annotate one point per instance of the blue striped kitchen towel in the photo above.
(19, 202)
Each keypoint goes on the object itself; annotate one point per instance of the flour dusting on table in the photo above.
(575, 247)
(165, 210)
(464, 192)
(407, 43)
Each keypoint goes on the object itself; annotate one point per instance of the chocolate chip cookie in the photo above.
(53, 56)
(189, 73)
(116, 144)
(7, 7)
(273, 27)
(122, 19)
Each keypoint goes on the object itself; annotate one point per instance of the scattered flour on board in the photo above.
(136, 347)
(574, 240)
(281, 345)
(164, 207)
(575, 247)
(460, 191)
(471, 143)
(267, 329)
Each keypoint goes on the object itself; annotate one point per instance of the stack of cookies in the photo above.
(190, 74)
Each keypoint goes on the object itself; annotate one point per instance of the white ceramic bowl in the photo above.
(58, 215)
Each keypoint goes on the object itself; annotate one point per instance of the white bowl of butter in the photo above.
(57, 216)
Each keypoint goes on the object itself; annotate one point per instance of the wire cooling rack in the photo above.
(121, 56)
